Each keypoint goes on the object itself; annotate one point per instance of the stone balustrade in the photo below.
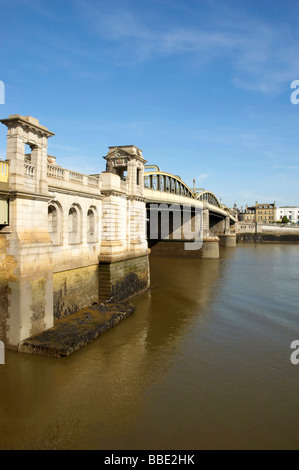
(29, 170)
(67, 179)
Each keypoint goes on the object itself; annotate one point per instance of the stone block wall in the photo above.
(75, 289)
(7, 275)
(123, 279)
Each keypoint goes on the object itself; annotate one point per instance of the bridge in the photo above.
(68, 240)
(218, 223)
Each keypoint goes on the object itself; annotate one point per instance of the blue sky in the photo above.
(201, 86)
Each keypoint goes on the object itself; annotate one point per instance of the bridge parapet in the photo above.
(61, 178)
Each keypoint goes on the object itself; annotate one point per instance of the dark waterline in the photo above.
(204, 363)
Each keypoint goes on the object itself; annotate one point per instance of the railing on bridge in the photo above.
(29, 170)
(160, 181)
(55, 172)
(209, 197)
(157, 180)
(58, 173)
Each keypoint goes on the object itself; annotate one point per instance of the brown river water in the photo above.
(203, 363)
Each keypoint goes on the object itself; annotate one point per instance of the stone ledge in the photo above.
(115, 258)
(76, 330)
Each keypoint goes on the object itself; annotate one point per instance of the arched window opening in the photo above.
(90, 222)
(52, 219)
(54, 224)
(91, 225)
(73, 220)
(138, 177)
(27, 153)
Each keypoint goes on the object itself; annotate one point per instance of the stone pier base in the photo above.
(229, 240)
(121, 279)
(210, 248)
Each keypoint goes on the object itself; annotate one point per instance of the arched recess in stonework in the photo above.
(74, 224)
(92, 225)
(55, 222)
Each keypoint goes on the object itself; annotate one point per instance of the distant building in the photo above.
(291, 212)
(247, 215)
(265, 213)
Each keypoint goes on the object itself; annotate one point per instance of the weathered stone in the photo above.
(76, 330)
(61, 224)
(121, 280)
(74, 289)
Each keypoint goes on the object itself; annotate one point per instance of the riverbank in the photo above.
(267, 238)
(262, 233)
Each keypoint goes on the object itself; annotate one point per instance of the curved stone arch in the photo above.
(75, 224)
(92, 224)
(162, 181)
(209, 197)
(55, 222)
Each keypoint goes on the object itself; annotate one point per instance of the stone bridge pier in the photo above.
(223, 230)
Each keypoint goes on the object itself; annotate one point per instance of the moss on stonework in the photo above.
(76, 330)
(127, 287)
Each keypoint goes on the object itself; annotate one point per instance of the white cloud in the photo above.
(203, 176)
(262, 56)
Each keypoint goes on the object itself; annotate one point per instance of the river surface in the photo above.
(203, 363)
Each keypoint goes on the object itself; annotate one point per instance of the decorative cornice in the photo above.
(109, 259)
(137, 198)
(26, 122)
(113, 192)
(70, 192)
(25, 195)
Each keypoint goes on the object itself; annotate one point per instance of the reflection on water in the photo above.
(203, 363)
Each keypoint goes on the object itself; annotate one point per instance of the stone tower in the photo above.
(27, 288)
(124, 267)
